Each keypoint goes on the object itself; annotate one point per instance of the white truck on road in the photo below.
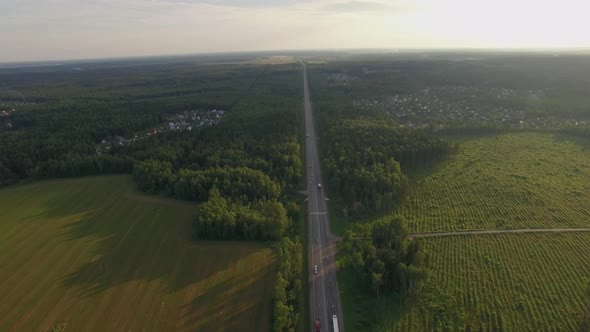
(335, 323)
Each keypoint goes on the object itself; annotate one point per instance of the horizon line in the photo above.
(566, 49)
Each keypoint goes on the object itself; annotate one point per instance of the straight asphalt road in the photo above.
(325, 297)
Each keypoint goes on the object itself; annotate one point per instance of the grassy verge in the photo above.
(337, 224)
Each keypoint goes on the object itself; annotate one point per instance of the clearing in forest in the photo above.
(520, 180)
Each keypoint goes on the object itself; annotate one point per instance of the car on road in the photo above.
(319, 186)
(315, 269)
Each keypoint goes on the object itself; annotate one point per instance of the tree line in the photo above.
(287, 289)
(19, 161)
(220, 218)
(238, 183)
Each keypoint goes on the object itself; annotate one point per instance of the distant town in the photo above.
(458, 105)
(184, 121)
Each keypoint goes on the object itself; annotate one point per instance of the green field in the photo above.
(507, 282)
(510, 282)
(524, 180)
(91, 254)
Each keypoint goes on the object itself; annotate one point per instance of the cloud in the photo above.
(239, 3)
(357, 6)
(57, 29)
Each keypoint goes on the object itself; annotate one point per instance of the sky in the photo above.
(32, 30)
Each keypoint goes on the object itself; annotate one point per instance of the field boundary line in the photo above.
(499, 231)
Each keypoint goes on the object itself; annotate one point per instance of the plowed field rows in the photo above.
(510, 282)
(524, 180)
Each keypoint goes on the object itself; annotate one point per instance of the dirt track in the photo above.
(501, 231)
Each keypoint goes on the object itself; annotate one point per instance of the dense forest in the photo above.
(365, 159)
(243, 183)
(61, 115)
(219, 218)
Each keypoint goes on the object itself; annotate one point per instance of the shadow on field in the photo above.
(132, 237)
(149, 252)
(232, 305)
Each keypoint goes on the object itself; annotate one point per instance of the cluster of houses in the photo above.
(5, 113)
(183, 121)
(188, 120)
(339, 79)
(458, 105)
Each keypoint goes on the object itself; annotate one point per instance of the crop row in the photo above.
(508, 181)
(509, 282)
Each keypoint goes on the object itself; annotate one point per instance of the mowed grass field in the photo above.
(519, 180)
(510, 282)
(90, 254)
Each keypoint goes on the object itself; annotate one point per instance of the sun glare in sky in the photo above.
(65, 29)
